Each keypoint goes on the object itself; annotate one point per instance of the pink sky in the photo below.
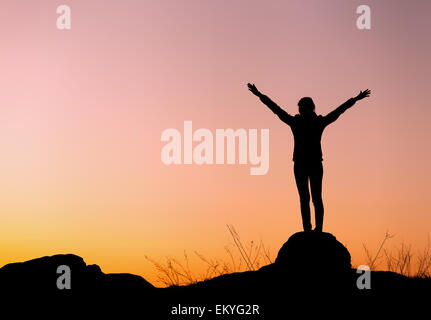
(82, 111)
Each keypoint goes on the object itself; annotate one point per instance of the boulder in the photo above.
(315, 260)
(39, 277)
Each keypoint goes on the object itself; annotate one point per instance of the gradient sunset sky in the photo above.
(82, 112)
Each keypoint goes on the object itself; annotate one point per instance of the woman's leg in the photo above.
(316, 177)
(301, 178)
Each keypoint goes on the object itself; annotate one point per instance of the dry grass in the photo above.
(240, 257)
(252, 255)
(373, 260)
(400, 259)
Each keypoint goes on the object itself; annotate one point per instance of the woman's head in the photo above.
(306, 106)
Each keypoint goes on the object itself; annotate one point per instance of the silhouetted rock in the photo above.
(39, 276)
(312, 273)
(315, 259)
(305, 249)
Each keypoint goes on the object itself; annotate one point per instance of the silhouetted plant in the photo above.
(401, 259)
(424, 262)
(250, 257)
(373, 261)
(254, 254)
(173, 272)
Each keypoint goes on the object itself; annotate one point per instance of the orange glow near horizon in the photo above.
(82, 112)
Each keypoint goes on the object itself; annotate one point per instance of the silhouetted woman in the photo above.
(307, 128)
